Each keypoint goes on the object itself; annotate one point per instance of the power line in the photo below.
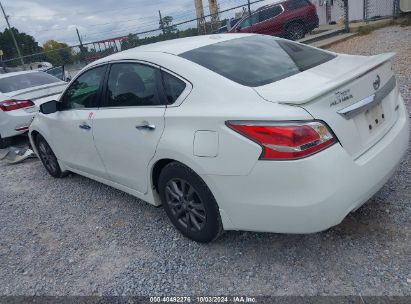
(150, 31)
(153, 26)
(195, 19)
(131, 27)
(147, 25)
(103, 11)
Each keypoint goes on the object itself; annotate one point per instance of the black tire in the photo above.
(192, 208)
(48, 158)
(295, 31)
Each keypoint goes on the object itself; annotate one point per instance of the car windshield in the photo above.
(257, 60)
(25, 81)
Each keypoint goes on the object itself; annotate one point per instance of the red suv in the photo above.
(291, 19)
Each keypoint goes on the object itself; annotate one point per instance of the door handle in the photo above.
(84, 126)
(146, 127)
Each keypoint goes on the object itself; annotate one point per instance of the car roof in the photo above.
(6, 75)
(271, 5)
(174, 47)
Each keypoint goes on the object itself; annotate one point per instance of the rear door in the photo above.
(269, 21)
(248, 24)
(301, 10)
(128, 127)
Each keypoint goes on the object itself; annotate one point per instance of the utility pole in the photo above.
(79, 38)
(249, 7)
(161, 23)
(347, 16)
(12, 35)
(201, 22)
(81, 45)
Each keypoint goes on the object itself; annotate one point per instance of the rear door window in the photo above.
(257, 60)
(270, 13)
(25, 81)
(250, 21)
(173, 87)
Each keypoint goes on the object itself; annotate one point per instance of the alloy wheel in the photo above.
(47, 155)
(185, 204)
(296, 32)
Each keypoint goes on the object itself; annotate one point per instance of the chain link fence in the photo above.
(225, 16)
(74, 58)
(379, 9)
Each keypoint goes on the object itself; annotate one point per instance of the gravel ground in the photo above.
(75, 236)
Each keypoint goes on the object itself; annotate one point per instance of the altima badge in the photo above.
(341, 97)
(377, 83)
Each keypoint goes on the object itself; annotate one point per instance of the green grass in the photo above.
(365, 30)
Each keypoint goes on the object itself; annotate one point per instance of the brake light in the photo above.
(13, 104)
(286, 141)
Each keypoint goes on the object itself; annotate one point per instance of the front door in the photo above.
(72, 126)
(128, 127)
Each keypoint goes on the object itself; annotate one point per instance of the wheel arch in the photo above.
(289, 22)
(33, 137)
(34, 133)
(156, 171)
(160, 163)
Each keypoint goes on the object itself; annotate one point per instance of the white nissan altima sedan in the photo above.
(231, 132)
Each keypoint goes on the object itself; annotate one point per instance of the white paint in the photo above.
(301, 196)
(11, 120)
(206, 144)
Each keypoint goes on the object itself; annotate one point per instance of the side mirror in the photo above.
(49, 107)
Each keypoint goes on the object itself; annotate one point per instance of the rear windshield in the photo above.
(25, 81)
(257, 60)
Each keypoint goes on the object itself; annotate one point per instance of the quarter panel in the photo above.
(209, 106)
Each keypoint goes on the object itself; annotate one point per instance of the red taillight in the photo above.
(286, 141)
(14, 104)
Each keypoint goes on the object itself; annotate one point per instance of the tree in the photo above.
(188, 33)
(26, 43)
(57, 53)
(166, 24)
(131, 42)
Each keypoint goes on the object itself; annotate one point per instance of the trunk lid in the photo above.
(354, 95)
(39, 94)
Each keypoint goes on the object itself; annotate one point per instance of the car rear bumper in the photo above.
(312, 23)
(16, 122)
(312, 194)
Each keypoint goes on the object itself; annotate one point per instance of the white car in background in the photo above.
(40, 66)
(21, 94)
(231, 132)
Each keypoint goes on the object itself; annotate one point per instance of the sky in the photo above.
(97, 19)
